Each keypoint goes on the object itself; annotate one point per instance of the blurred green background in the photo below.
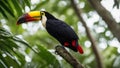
(30, 46)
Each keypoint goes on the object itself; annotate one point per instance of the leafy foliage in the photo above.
(13, 7)
(8, 50)
(9, 46)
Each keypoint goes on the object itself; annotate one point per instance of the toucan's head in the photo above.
(34, 16)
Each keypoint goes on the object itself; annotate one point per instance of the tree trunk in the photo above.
(107, 17)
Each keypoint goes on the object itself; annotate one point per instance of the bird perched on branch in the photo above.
(55, 27)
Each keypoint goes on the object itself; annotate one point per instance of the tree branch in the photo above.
(107, 17)
(94, 48)
(68, 57)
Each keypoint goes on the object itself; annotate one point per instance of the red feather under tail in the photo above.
(80, 50)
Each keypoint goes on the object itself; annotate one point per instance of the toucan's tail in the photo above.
(74, 46)
(80, 50)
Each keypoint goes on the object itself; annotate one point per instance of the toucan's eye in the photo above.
(42, 13)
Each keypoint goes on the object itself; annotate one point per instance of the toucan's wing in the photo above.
(60, 30)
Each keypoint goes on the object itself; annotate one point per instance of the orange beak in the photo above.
(28, 17)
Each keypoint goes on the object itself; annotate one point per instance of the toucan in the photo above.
(55, 27)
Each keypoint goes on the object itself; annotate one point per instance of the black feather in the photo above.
(60, 30)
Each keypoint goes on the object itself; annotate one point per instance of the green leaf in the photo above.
(4, 63)
(28, 3)
(4, 5)
(48, 57)
(3, 13)
(17, 7)
(23, 42)
(40, 5)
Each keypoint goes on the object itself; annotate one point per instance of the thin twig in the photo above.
(68, 57)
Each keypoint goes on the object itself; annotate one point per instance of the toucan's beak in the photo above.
(30, 16)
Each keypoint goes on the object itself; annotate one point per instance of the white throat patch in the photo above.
(44, 19)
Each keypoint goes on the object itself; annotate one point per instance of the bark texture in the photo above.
(68, 57)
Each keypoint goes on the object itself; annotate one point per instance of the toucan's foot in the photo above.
(56, 49)
(56, 52)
